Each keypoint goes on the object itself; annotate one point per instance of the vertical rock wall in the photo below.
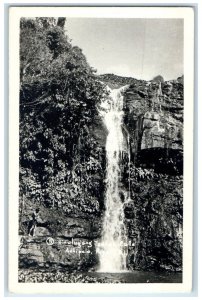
(154, 214)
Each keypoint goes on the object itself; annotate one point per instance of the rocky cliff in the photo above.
(153, 121)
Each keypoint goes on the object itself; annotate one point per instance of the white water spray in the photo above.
(113, 246)
(129, 160)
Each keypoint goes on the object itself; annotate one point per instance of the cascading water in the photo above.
(129, 159)
(113, 246)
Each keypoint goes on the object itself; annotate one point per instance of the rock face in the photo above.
(99, 131)
(160, 107)
(153, 119)
(59, 241)
(161, 131)
(153, 112)
(50, 252)
(154, 220)
(72, 248)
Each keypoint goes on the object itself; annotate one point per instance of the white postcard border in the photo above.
(99, 12)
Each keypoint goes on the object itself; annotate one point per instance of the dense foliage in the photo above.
(58, 97)
(60, 276)
(62, 157)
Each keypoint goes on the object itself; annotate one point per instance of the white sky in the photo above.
(140, 48)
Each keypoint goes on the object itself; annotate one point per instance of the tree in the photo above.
(58, 96)
(61, 22)
(158, 78)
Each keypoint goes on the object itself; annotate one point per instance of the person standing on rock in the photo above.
(34, 222)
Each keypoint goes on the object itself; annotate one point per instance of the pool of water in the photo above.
(62, 275)
(140, 277)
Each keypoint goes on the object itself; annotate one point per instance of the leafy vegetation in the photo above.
(158, 78)
(62, 165)
(58, 96)
(61, 276)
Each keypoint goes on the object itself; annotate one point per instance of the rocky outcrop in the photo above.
(50, 252)
(153, 120)
(99, 131)
(154, 220)
(161, 108)
(153, 112)
(115, 81)
(162, 131)
(59, 241)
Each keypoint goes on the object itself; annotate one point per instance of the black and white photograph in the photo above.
(100, 145)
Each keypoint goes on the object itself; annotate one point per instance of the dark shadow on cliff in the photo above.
(162, 160)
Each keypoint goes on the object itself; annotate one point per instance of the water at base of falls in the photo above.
(113, 245)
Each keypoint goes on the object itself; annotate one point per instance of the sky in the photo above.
(139, 48)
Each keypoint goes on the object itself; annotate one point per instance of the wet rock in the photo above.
(42, 231)
(162, 113)
(99, 131)
(154, 218)
(156, 229)
(76, 227)
(56, 252)
(129, 211)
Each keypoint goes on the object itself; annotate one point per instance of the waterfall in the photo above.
(113, 245)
